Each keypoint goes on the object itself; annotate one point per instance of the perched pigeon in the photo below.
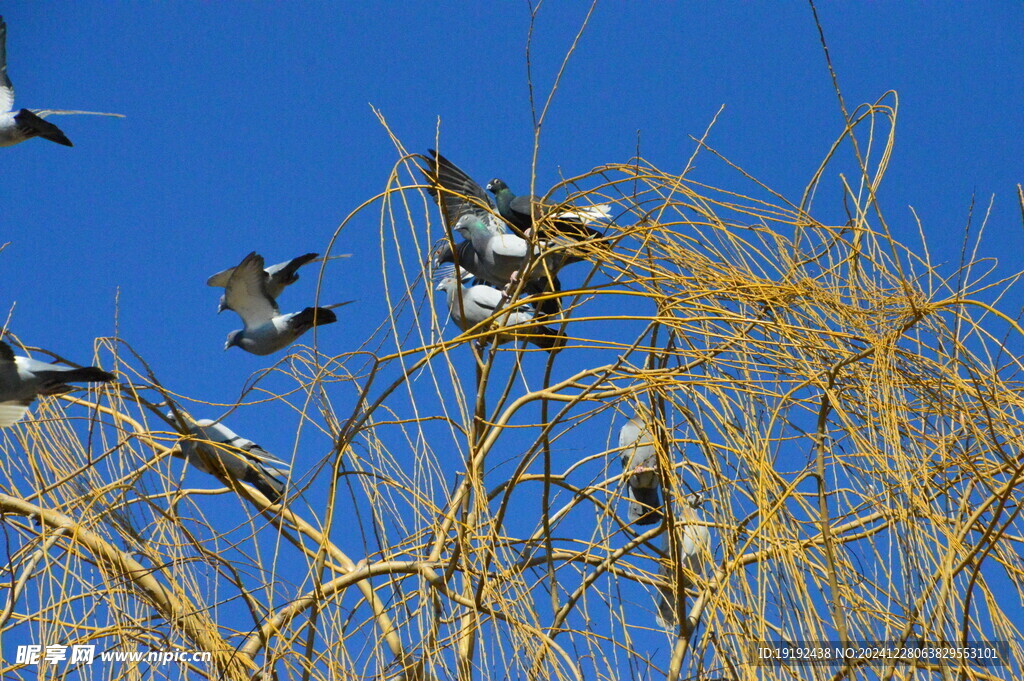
(468, 261)
(523, 212)
(640, 469)
(498, 258)
(266, 329)
(22, 379)
(692, 548)
(480, 302)
(238, 458)
(279, 276)
(18, 126)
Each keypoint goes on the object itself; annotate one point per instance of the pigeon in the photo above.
(640, 470)
(523, 212)
(467, 260)
(266, 329)
(469, 306)
(279, 276)
(18, 126)
(498, 258)
(694, 547)
(23, 379)
(234, 456)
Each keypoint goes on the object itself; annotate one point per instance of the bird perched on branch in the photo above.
(640, 470)
(469, 306)
(279, 276)
(687, 550)
(216, 449)
(23, 379)
(266, 329)
(18, 126)
(525, 213)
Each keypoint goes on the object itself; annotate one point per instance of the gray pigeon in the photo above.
(498, 258)
(266, 329)
(22, 379)
(238, 458)
(694, 548)
(524, 212)
(480, 302)
(279, 276)
(18, 126)
(640, 470)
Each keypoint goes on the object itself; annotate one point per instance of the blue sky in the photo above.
(249, 127)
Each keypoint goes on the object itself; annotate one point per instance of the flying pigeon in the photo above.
(640, 470)
(469, 306)
(18, 126)
(523, 212)
(23, 379)
(279, 276)
(266, 329)
(694, 547)
(234, 456)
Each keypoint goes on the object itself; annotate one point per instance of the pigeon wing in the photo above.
(220, 280)
(509, 246)
(6, 88)
(246, 293)
(458, 194)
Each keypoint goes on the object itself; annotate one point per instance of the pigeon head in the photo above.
(234, 339)
(468, 225)
(496, 185)
(442, 252)
(444, 276)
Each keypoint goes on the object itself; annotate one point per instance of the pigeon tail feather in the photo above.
(645, 507)
(312, 316)
(270, 487)
(37, 127)
(545, 337)
(53, 382)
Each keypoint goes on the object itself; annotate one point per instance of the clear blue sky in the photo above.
(249, 127)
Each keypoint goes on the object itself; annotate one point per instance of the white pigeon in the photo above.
(693, 544)
(279, 276)
(640, 471)
(477, 303)
(23, 379)
(18, 126)
(266, 329)
(238, 458)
